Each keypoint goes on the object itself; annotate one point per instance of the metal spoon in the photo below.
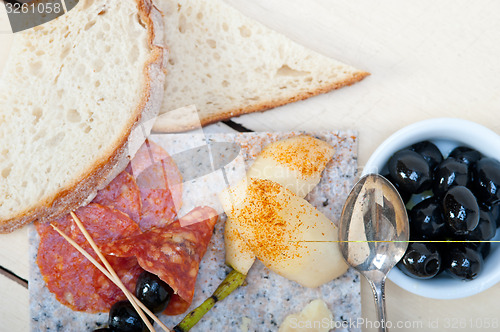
(374, 233)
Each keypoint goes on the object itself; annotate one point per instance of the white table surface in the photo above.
(427, 59)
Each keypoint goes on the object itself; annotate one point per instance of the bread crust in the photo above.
(84, 188)
(356, 77)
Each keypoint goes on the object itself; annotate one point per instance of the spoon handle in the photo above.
(378, 289)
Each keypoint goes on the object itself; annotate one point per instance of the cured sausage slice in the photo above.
(160, 188)
(123, 194)
(176, 306)
(127, 269)
(148, 154)
(172, 252)
(69, 275)
(160, 185)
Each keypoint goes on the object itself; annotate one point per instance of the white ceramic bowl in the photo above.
(446, 133)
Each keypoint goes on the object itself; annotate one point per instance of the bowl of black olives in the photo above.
(447, 171)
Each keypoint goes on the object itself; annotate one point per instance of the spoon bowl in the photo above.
(374, 233)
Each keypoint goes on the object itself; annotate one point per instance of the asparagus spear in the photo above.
(232, 281)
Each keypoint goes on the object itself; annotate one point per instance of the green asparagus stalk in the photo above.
(232, 281)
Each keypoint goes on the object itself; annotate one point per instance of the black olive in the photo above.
(449, 173)
(495, 212)
(410, 171)
(405, 196)
(483, 248)
(461, 210)
(124, 318)
(485, 229)
(487, 180)
(463, 262)
(464, 207)
(421, 261)
(153, 292)
(429, 151)
(465, 154)
(427, 221)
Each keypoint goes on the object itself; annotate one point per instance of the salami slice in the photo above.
(123, 194)
(148, 154)
(160, 188)
(73, 279)
(127, 269)
(160, 185)
(172, 252)
(176, 306)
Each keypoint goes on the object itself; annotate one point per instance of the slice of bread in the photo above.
(227, 64)
(71, 93)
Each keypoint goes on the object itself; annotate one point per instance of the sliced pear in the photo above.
(296, 163)
(238, 255)
(289, 235)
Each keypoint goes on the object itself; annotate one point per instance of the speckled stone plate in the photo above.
(267, 298)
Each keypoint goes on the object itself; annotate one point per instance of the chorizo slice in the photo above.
(122, 194)
(172, 252)
(73, 279)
